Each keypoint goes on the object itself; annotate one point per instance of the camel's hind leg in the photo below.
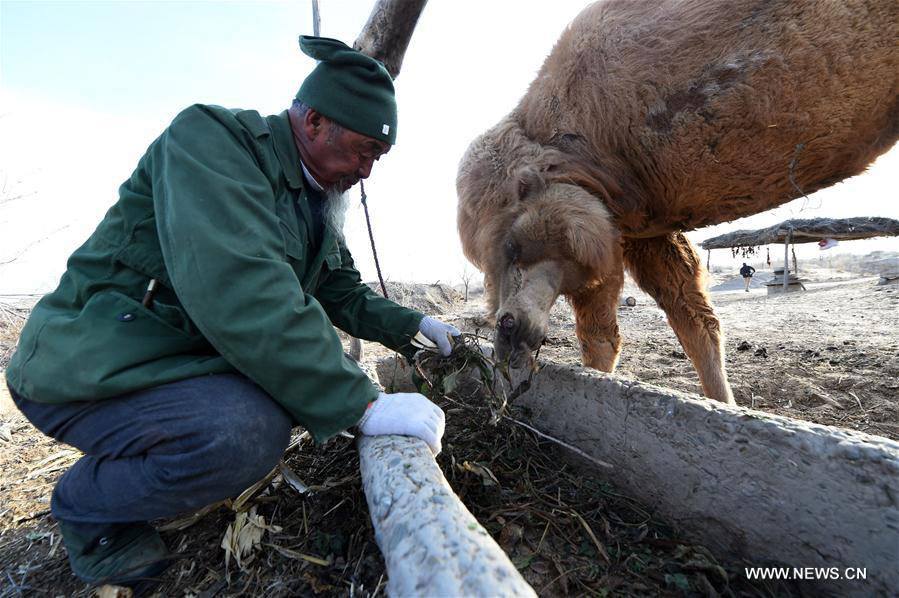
(669, 269)
(596, 321)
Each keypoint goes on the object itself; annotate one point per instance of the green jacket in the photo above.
(209, 212)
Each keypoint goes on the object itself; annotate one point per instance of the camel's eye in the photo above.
(513, 251)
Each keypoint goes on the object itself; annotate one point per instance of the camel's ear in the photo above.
(526, 182)
(590, 234)
(534, 178)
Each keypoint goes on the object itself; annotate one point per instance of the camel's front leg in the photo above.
(596, 322)
(669, 269)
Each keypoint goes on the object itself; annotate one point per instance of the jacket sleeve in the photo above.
(359, 311)
(224, 252)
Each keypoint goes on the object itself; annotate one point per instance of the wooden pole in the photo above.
(708, 260)
(316, 19)
(795, 263)
(787, 259)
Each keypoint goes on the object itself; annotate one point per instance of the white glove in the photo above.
(438, 333)
(406, 414)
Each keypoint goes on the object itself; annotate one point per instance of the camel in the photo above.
(650, 119)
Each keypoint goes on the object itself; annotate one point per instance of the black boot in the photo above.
(124, 554)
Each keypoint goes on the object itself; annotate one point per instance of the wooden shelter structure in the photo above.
(810, 230)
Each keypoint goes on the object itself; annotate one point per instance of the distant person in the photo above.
(746, 272)
(193, 329)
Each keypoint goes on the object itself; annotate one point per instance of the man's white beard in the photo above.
(335, 210)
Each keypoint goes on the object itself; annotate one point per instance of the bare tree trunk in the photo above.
(387, 33)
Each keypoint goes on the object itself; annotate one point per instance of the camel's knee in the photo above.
(701, 328)
(601, 353)
(596, 325)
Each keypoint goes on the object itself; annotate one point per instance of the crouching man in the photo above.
(193, 329)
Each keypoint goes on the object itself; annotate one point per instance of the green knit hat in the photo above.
(352, 89)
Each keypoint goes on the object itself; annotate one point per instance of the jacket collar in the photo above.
(289, 157)
(286, 149)
(310, 180)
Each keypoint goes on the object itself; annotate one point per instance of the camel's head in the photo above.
(534, 236)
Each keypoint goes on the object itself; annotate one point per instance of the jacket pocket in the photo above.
(141, 252)
(334, 260)
(294, 245)
(111, 346)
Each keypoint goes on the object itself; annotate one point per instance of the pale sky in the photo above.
(86, 86)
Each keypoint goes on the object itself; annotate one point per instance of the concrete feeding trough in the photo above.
(755, 486)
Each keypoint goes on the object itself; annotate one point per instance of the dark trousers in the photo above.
(163, 451)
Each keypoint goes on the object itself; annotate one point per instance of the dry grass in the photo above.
(12, 319)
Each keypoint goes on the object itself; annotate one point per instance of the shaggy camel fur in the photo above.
(653, 118)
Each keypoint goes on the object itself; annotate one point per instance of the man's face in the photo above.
(338, 157)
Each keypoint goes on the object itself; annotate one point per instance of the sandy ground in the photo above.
(6, 405)
(828, 355)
